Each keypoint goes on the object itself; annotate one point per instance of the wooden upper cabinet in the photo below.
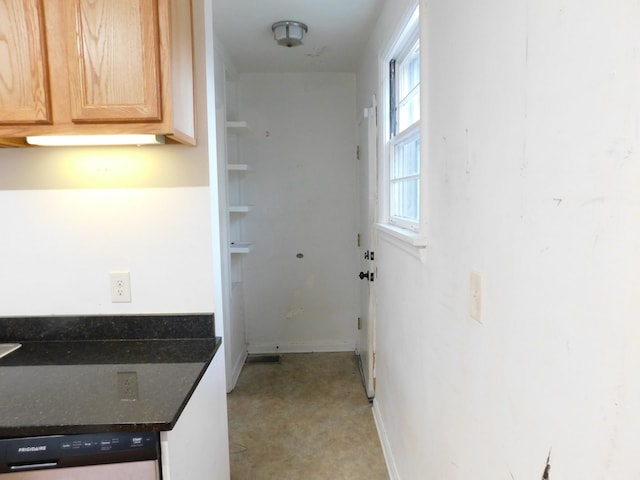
(114, 61)
(24, 85)
(76, 67)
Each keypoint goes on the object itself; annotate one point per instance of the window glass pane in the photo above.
(405, 178)
(405, 199)
(408, 106)
(409, 110)
(410, 71)
(406, 159)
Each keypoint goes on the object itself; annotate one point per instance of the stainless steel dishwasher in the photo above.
(99, 456)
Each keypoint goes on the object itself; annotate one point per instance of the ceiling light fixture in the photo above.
(289, 33)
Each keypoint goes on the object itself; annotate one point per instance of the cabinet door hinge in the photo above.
(358, 152)
(358, 239)
(359, 323)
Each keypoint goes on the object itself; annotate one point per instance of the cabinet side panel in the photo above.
(114, 61)
(24, 87)
(198, 446)
(182, 71)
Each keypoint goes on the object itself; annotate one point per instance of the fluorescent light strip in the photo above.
(94, 140)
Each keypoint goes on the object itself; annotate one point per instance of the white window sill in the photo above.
(402, 237)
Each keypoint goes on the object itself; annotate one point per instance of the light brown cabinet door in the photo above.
(24, 85)
(113, 58)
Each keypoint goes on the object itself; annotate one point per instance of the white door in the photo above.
(367, 139)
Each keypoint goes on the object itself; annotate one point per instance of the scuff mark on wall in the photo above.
(294, 308)
(621, 149)
(467, 169)
(317, 52)
(547, 467)
(311, 282)
(592, 201)
(294, 311)
(298, 296)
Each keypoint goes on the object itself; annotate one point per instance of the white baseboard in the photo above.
(237, 369)
(262, 348)
(384, 442)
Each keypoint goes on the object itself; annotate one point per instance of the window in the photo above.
(402, 152)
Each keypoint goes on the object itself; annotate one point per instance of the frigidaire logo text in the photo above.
(38, 448)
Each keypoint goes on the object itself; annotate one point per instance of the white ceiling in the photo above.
(338, 32)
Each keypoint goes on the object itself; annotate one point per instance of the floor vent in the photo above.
(263, 359)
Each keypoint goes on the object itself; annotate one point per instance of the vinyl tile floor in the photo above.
(306, 417)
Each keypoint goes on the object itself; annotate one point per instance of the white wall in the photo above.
(59, 245)
(303, 188)
(531, 145)
(71, 215)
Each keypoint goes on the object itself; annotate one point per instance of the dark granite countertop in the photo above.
(74, 374)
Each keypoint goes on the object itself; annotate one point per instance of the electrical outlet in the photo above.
(120, 287)
(475, 296)
(128, 386)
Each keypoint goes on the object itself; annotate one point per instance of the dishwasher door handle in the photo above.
(33, 466)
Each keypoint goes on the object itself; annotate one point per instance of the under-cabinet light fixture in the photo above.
(289, 33)
(94, 140)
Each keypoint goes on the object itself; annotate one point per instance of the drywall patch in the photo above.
(311, 282)
(317, 52)
(294, 311)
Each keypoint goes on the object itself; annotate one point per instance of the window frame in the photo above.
(402, 44)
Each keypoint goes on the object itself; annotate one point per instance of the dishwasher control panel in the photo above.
(57, 451)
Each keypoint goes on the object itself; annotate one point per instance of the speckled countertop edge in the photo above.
(102, 327)
(147, 330)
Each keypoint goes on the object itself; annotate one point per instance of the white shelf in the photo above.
(240, 247)
(238, 127)
(240, 208)
(238, 167)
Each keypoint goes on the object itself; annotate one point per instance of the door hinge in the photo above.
(358, 239)
(359, 323)
(358, 152)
